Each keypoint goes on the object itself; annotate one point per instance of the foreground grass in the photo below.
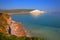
(12, 37)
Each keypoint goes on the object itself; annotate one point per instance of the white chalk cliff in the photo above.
(36, 12)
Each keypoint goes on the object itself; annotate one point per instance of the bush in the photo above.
(3, 37)
(13, 37)
(37, 38)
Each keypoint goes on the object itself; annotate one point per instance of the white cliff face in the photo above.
(36, 12)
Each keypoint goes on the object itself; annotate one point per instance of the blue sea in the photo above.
(46, 25)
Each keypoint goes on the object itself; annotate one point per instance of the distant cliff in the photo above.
(16, 11)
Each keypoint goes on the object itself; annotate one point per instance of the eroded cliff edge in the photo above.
(8, 26)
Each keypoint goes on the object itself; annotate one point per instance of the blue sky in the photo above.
(46, 5)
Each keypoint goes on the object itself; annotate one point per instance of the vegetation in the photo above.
(12, 37)
(16, 10)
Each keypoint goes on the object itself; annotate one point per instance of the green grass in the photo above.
(12, 37)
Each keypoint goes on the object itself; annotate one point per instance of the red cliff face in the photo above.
(17, 29)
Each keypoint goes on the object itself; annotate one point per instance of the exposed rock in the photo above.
(17, 29)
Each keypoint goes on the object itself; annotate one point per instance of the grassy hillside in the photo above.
(16, 11)
(3, 23)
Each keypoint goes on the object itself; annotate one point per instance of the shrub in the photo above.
(13, 37)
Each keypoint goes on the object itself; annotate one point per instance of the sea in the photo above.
(45, 25)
